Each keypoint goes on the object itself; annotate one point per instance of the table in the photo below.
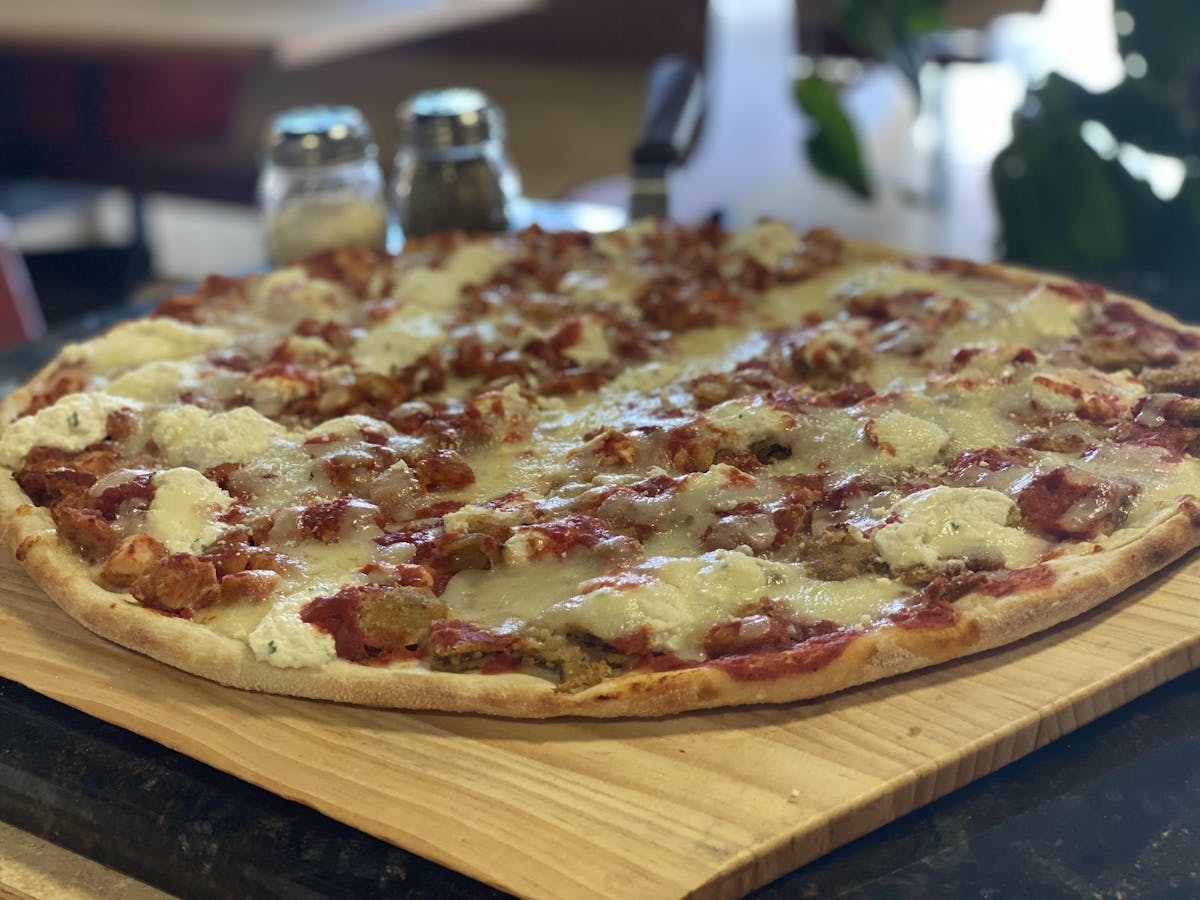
(1111, 809)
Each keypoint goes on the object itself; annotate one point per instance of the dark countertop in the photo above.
(1111, 810)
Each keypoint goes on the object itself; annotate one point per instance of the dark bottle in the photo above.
(452, 172)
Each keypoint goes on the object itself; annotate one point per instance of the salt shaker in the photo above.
(452, 170)
(320, 185)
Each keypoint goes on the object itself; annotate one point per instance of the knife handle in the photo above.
(674, 110)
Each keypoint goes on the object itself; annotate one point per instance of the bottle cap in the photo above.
(447, 118)
(319, 136)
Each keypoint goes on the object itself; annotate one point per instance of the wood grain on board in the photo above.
(716, 803)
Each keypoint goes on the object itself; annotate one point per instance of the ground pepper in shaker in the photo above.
(452, 171)
(320, 185)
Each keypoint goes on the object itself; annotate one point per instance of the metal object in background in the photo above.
(452, 170)
(674, 111)
(321, 186)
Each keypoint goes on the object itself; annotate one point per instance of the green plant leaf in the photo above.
(833, 147)
(890, 30)
(1142, 112)
(1061, 205)
(1164, 33)
(1137, 111)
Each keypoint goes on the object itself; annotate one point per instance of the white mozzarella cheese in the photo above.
(751, 420)
(943, 523)
(911, 440)
(1049, 314)
(592, 347)
(1078, 390)
(270, 394)
(71, 423)
(770, 243)
(830, 347)
(157, 382)
(190, 436)
(399, 340)
(290, 295)
(889, 278)
(351, 427)
(441, 288)
(183, 512)
(308, 351)
(281, 638)
(586, 287)
(1163, 477)
(680, 599)
(131, 344)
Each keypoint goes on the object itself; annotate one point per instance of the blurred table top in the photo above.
(287, 33)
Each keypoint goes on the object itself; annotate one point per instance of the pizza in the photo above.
(635, 473)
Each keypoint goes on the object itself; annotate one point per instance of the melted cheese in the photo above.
(1048, 314)
(290, 295)
(72, 423)
(190, 436)
(981, 417)
(131, 344)
(1075, 390)
(281, 473)
(943, 523)
(770, 243)
(751, 421)
(400, 340)
(1163, 480)
(441, 288)
(270, 394)
(471, 518)
(349, 427)
(183, 512)
(308, 350)
(592, 347)
(156, 382)
(281, 638)
(588, 288)
(540, 451)
(912, 441)
(275, 467)
(722, 487)
(891, 278)
(682, 598)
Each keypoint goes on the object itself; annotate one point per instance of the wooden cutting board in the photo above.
(712, 803)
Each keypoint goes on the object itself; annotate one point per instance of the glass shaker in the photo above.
(321, 186)
(452, 171)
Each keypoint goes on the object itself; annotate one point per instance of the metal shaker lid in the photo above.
(446, 118)
(319, 136)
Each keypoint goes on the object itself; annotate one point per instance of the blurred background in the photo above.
(1059, 133)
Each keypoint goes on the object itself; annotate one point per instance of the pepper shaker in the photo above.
(320, 185)
(452, 170)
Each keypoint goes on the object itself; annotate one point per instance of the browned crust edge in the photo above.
(1081, 583)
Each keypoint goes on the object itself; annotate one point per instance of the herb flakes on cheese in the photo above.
(72, 423)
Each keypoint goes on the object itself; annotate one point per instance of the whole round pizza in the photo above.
(634, 473)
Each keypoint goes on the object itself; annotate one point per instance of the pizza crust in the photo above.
(1081, 583)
